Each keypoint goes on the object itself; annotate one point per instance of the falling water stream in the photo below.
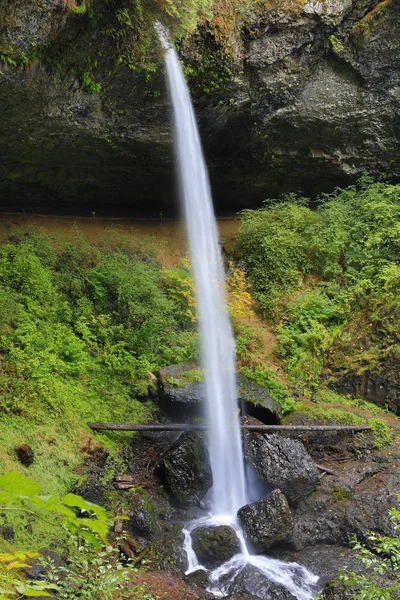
(217, 352)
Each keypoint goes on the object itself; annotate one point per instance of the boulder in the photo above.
(143, 518)
(283, 462)
(215, 545)
(185, 470)
(266, 521)
(252, 581)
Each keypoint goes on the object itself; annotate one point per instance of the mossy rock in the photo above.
(215, 545)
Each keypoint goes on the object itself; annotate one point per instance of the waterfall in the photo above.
(217, 344)
(217, 351)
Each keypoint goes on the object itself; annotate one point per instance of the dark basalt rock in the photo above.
(25, 454)
(215, 545)
(380, 388)
(298, 109)
(338, 512)
(251, 581)
(185, 470)
(283, 462)
(266, 521)
(182, 394)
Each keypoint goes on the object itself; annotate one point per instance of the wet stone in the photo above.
(185, 470)
(253, 582)
(266, 521)
(215, 545)
(283, 462)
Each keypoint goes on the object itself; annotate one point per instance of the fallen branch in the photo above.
(260, 428)
(325, 470)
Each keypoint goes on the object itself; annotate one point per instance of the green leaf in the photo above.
(92, 539)
(99, 527)
(19, 484)
(79, 502)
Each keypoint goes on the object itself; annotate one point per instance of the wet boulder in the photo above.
(215, 545)
(266, 521)
(253, 582)
(185, 469)
(283, 462)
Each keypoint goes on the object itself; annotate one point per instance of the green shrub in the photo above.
(339, 267)
(382, 433)
(267, 378)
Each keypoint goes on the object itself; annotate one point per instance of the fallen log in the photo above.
(186, 427)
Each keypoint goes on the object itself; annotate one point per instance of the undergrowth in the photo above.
(82, 329)
(329, 279)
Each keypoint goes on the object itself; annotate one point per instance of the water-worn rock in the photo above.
(251, 581)
(215, 545)
(283, 462)
(182, 393)
(185, 469)
(266, 521)
(25, 454)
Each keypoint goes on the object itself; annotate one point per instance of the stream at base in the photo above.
(294, 577)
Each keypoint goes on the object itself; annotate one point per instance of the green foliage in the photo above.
(382, 433)
(337, 271)
(247, 340)
(320, 415)
(18, 492)
(336, 44)
(381, 581)
(90, 573)
(267, 378)
(81, 332)
(275, 243)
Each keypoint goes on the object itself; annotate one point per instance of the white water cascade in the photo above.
(217, 351)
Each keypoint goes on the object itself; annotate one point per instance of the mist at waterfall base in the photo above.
(228, 493)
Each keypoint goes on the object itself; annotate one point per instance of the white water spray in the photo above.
(217, 350)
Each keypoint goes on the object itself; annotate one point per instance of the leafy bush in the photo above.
(334, 270)
(267, 378)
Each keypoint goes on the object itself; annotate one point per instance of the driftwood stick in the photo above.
(185, 427)
(325, 469)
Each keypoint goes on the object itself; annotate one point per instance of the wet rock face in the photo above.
(182, 394)
(383, 390)
(283, 462)
(251, 581)
(346, 507)
(185, 470)
(215, 545)
(312, 103)
(266, 521)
